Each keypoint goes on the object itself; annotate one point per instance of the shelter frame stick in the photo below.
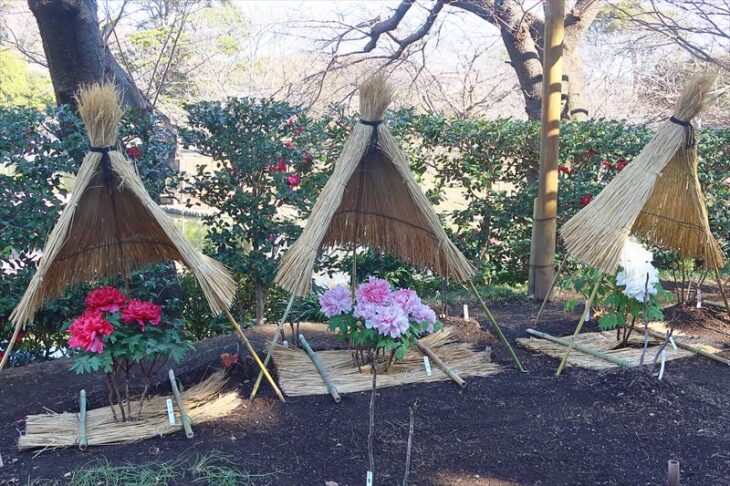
(321, 369)
(550, 291)
(583, 316)
(578, 347)
(447, 371)
(270, 351)
(255, 356)
(9, 349)
(722, 290)
(184, 417)
(496, 327)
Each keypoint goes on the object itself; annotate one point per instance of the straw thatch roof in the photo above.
(657, 197)
(372, 199)
(111, 225)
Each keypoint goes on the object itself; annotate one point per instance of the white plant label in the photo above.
(369, 479)
(466, 312)
(671, 341)
(699, 299)
(427, 364)
(170, 412)
(664, 360)
(588, 313)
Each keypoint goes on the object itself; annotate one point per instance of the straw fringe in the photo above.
(657, 196)
(204, 402)
(107, 230)
(372, 199)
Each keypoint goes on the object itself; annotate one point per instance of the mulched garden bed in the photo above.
(586, 427)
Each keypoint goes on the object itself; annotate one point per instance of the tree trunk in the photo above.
(260, 292)
(75, 52)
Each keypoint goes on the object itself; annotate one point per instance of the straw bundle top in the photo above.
(657, 196)
(110, 225)
(372, 199)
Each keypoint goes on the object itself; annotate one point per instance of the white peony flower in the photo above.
(636, 265)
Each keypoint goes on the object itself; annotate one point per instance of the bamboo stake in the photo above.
(722, 290)
(694, 349)
(581, 348)
(9, 349)
(320, 369)
(673, 473)
(432, 356)
(184, 418)
(496, 327)
(255, 356)
(83, 440)
(550, 291)
(270, 351)
(589, 303)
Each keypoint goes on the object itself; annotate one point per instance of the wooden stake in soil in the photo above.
(320, 369)
(270, 351)
(184, 418)
(722, 290)
(550, 292)
(496, 327)
(83, 440)
(581, 348)
(432, 356)
(589, 303)
(255, 356)
(694, 349)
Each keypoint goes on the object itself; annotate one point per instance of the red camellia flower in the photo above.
(294, 180)
(308, 158)
(299, 129)
(621, 163)
(134, 152)
(105, 299)
(288, 143)
(281, 165)
(141, 311)
(608, 165)
(564, 169)
(19, 339)
(585, 199)
(589, 153)
(87, 333)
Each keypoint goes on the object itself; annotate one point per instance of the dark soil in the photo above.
(586, 427)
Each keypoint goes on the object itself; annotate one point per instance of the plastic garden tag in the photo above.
(671, 341)
(369, 479)
(588, 313)
(170, 412)
(427, 364)
(664, 360)
(466, 312)
(699, 299)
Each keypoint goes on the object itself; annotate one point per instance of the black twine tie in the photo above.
(689, 131)
(374, 136)
(106, 164)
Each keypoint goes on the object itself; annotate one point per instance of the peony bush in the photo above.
(381, 319)
(118, 336)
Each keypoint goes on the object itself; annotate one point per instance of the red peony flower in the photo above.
(621, 164)
(141, 311)
(87, 333)
(105, 299)
(294, 180)
(134, 152)
(585, 199)
(608, 165)
(563, 169)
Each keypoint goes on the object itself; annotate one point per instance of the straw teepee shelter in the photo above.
(372, 200)
(110, 225)
(657, 197)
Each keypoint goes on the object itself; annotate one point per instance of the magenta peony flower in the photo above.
(336, 301)
(107, 299)
(389, 321)
(406, 299)
(374, 291)
(88, 331)
(141, 311)
(425, 316)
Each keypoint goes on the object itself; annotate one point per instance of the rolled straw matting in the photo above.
(657, 196)
(204, 402)
(106, 230)
(299, 377)
(372, 199)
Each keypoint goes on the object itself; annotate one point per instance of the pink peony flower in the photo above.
(105, 299)
(365, 311)
(425, 316)
(407, 299)
(374, 291)
(294, 180)
(389, 321)
(88, 331)
(140, 311)
(336, 301)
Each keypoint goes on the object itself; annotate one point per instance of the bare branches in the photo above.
(388, 25)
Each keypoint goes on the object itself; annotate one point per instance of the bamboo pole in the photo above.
(432, 356)
(589, 303)
(320, 369)
(673, 473)
(184, 418)
(550, 292)
(496, 327)
(270, 351)
(255, 356)
(83, 440)
(722, 290)
(545, 224)
(581, 348)
(9, 349)
(694, 349)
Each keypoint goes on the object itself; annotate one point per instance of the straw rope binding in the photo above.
(657, 196)
(372, 199)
